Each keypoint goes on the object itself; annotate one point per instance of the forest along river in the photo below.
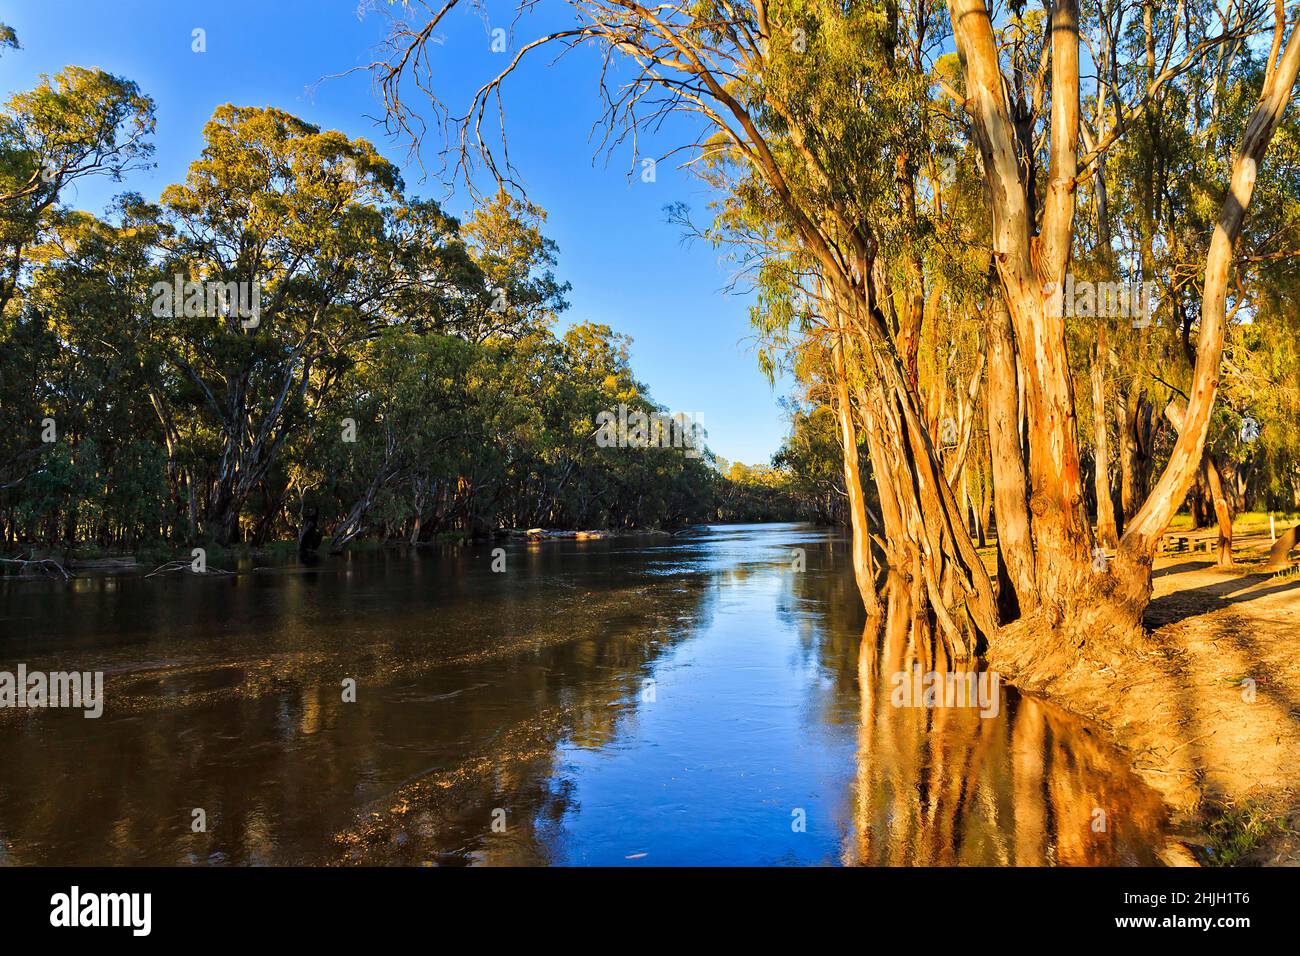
(630, 701)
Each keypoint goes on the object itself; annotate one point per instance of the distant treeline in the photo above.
(286, 338)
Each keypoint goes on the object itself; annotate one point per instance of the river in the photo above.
(626, 701)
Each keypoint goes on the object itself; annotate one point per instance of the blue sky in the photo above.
(692, 343)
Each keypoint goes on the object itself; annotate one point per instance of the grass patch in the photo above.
(1246, 522)
(1235, 832)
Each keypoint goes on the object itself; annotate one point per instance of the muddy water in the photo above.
(688, 700)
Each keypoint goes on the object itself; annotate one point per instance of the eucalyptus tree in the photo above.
(410, 420)
(1148, 210)
(1033, 239)
(76, 124)
(811, 456)
(90, 287)
(520, 293)
(302, 222)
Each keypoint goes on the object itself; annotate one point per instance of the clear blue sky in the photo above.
(692, 343)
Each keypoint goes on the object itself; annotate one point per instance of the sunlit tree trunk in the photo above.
(934, 549)
(1222, 510)
(1107, 533)
(1010, 484)
(1031, 271)
(863, 571)
(1031, 264)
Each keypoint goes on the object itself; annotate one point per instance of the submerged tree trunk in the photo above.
(926, 540)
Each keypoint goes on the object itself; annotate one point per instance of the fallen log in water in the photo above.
(39, 565)
(172, 566)
(546, 534)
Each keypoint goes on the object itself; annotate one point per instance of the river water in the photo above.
(629, 701)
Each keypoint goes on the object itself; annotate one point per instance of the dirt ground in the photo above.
(1209, 708)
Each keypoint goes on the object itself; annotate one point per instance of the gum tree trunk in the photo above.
(863, 571)
(1031, 270)
(1107, 532)
(1010, 485)
(1222, 511)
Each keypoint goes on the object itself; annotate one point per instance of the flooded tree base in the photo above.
(1207, 703)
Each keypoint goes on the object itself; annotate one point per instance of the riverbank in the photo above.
(1208, 709)
(72, 561)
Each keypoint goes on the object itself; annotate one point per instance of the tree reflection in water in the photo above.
(945, 786)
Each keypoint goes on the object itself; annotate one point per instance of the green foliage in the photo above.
(79, 123)
(400, 377)
(812, 458)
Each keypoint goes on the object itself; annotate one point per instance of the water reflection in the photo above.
(692, 700)
(945, 786)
